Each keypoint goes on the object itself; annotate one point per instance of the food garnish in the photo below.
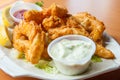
(41, 3)
(47, 66)
(7, 20)
(96, 59)
(21, 55)
(4, 37)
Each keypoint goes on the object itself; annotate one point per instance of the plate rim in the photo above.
(26, 73)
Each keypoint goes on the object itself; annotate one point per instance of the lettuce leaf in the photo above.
(96, 59)
(47, 66)
(40, 3)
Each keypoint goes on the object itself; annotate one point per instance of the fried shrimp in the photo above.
(29, 38)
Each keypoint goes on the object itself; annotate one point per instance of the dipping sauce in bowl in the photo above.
(71, 50)
(19, 7)
(72, 53)
(19, 14)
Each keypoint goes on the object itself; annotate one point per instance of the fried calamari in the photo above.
(91, 24)
(38, 28)
(29, 38)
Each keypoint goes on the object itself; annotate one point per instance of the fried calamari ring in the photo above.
(29, 38)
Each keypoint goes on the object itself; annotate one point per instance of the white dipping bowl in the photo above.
(67, 67)
(20, 5)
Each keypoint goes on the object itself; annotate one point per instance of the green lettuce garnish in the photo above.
(21, 55)
(47, 66)
(96, 59)
(40, 3)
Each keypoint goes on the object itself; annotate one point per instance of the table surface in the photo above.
(107, 11)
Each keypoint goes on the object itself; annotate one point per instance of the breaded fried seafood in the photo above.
(38, 28)
(33, 15)
(95, 28)
(29, 38)
(91, 24)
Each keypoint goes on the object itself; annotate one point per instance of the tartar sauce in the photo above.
(71, 50)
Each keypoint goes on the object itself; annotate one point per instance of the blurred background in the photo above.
(105, 10)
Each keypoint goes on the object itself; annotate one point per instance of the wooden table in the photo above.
(107, 11)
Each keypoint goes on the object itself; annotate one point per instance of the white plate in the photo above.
(15, 67)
